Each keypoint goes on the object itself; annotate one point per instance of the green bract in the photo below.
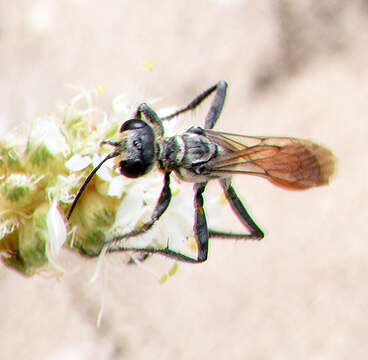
(38, 184)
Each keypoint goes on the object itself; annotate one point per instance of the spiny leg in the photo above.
(242, 214)
(216, 106)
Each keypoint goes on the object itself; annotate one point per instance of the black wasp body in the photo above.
(184, 154)
(202, 154)
(188, 155)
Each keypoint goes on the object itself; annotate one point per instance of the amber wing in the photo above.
(287, 162)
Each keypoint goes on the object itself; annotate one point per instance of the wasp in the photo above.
(202, 154)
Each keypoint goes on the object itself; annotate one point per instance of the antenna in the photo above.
(89, 178)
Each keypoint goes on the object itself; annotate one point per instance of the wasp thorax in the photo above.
(139, 148)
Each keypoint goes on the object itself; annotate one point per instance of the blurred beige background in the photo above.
(296, 68)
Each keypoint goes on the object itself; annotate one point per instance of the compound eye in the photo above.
(134, 168)
(132, 124)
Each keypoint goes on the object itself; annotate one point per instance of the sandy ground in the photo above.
(297, 70)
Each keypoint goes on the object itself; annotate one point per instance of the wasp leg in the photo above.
(242, 214)
(200, 230)
(216, 106)
(200, 222)
(161, 206)
(110, 142)
(138, 258)
(151, 116)
(166, 252)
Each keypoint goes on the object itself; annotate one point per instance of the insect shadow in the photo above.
(201, 154)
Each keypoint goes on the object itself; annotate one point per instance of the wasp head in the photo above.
(137, 148)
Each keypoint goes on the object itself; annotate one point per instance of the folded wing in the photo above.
(287, 162)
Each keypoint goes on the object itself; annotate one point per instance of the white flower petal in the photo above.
(46, 131)
(117, 186)
(78, 162)
(120, 105)
(57, 230)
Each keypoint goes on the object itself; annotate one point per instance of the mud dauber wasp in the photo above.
(202, 154)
